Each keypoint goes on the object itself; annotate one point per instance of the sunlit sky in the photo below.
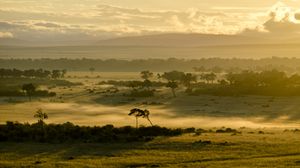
(80, 20)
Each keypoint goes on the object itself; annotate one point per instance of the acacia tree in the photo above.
(208, 77)
(55, 74)
(173, 85)
(159, 76)
(147, 84)
(173, 77)
(41, 116)
(63, 73)
(146, 75)
(187, 79)
(136, 112)
(29, 89)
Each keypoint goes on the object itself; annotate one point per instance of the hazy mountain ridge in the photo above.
(163, 40)
(183, 40)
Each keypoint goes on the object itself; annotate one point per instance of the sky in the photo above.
(92, 20)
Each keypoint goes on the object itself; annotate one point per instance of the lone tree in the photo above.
(140, 113)
(40, 115)
(29, 89)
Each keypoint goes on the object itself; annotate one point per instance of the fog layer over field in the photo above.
(97, 114)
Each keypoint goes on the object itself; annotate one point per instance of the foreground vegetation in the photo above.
(68, 132)
(251, 148)
(171, 97)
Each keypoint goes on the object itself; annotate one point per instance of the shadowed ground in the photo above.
(250, 149)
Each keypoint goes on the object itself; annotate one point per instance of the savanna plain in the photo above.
(216, 131)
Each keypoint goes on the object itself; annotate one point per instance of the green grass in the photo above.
(273, 149)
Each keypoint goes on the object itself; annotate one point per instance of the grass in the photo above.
(272, 149)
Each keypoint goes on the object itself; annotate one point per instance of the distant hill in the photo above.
(163, 40)
(12, 42)
(187, 40)
(145, 52)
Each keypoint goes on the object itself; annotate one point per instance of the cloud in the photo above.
(48, 25)
(283, 22)
(102, 21)
(106, 21)
(186, 21)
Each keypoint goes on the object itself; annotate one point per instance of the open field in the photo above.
(249, 149)
(268, 126)
(78, 105)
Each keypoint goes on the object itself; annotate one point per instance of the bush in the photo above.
(68, 132)
(227, 130)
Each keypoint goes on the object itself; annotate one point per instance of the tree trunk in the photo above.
(149, 121)
(173, 91)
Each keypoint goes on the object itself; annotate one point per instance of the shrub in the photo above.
(227, 130)
(68, 132)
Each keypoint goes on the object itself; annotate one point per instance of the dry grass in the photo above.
(272, 149)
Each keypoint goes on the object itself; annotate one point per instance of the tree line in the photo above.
(32, 73)
(215, 65)
(269, 82)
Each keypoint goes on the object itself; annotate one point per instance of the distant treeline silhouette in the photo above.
(157, 65)
(270, 83)
(32, 73)
(68, 132)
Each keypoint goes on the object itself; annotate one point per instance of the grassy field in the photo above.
(261, 119)
(249, 149)
(80, 106)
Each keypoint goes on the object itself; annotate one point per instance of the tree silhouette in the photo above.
(63, 73)
(56, 74)
(140, 113)
(208, 77)
(173, 85)
(147, 84)
(173, 76)
(41, 116)
(146, 75)
(29, 89)
(188, 79)
(158, 76)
